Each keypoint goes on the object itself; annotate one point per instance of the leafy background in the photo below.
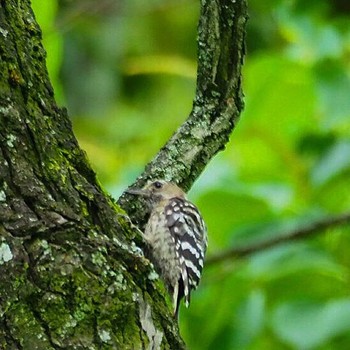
(126, 72)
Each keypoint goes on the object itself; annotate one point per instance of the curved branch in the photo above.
(218, 101)
(304, 232)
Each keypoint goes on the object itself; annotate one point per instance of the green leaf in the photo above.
(306, 325)
(309, 40)
(290, 258)
(333, 84)
(336, 160)
(240, 208)
(249, 319)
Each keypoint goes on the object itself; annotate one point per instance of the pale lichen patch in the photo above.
(135, 249)
(105, 336)
(2, 196)
(3, 32)
(5, 253)
(10, 140)
(152, 276)
(46, 248)
(119, 282)
(71, 323)
(153, 334)
(99, 259)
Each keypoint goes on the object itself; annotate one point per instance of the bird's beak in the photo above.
(139, 192)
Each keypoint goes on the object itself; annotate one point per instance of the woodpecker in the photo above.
(177, 237)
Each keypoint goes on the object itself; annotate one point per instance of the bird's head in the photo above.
(158, 191)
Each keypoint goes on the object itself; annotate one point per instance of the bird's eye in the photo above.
(158, 184)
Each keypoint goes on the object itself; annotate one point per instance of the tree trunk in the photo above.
(73, 274)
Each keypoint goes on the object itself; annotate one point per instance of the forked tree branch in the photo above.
(218, 101)
(311, 230)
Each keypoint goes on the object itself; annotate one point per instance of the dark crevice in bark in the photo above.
(40, 161)
(9, 336)
(97, 339)
(44, 326)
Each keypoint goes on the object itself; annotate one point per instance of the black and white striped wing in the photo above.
(190, 236)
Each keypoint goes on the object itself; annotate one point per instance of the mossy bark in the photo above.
(72, 271)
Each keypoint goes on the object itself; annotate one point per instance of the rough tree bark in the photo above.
(72, 274)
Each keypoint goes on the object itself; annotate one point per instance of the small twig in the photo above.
(304, 232)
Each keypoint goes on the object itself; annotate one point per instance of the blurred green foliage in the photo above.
(126, 71)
